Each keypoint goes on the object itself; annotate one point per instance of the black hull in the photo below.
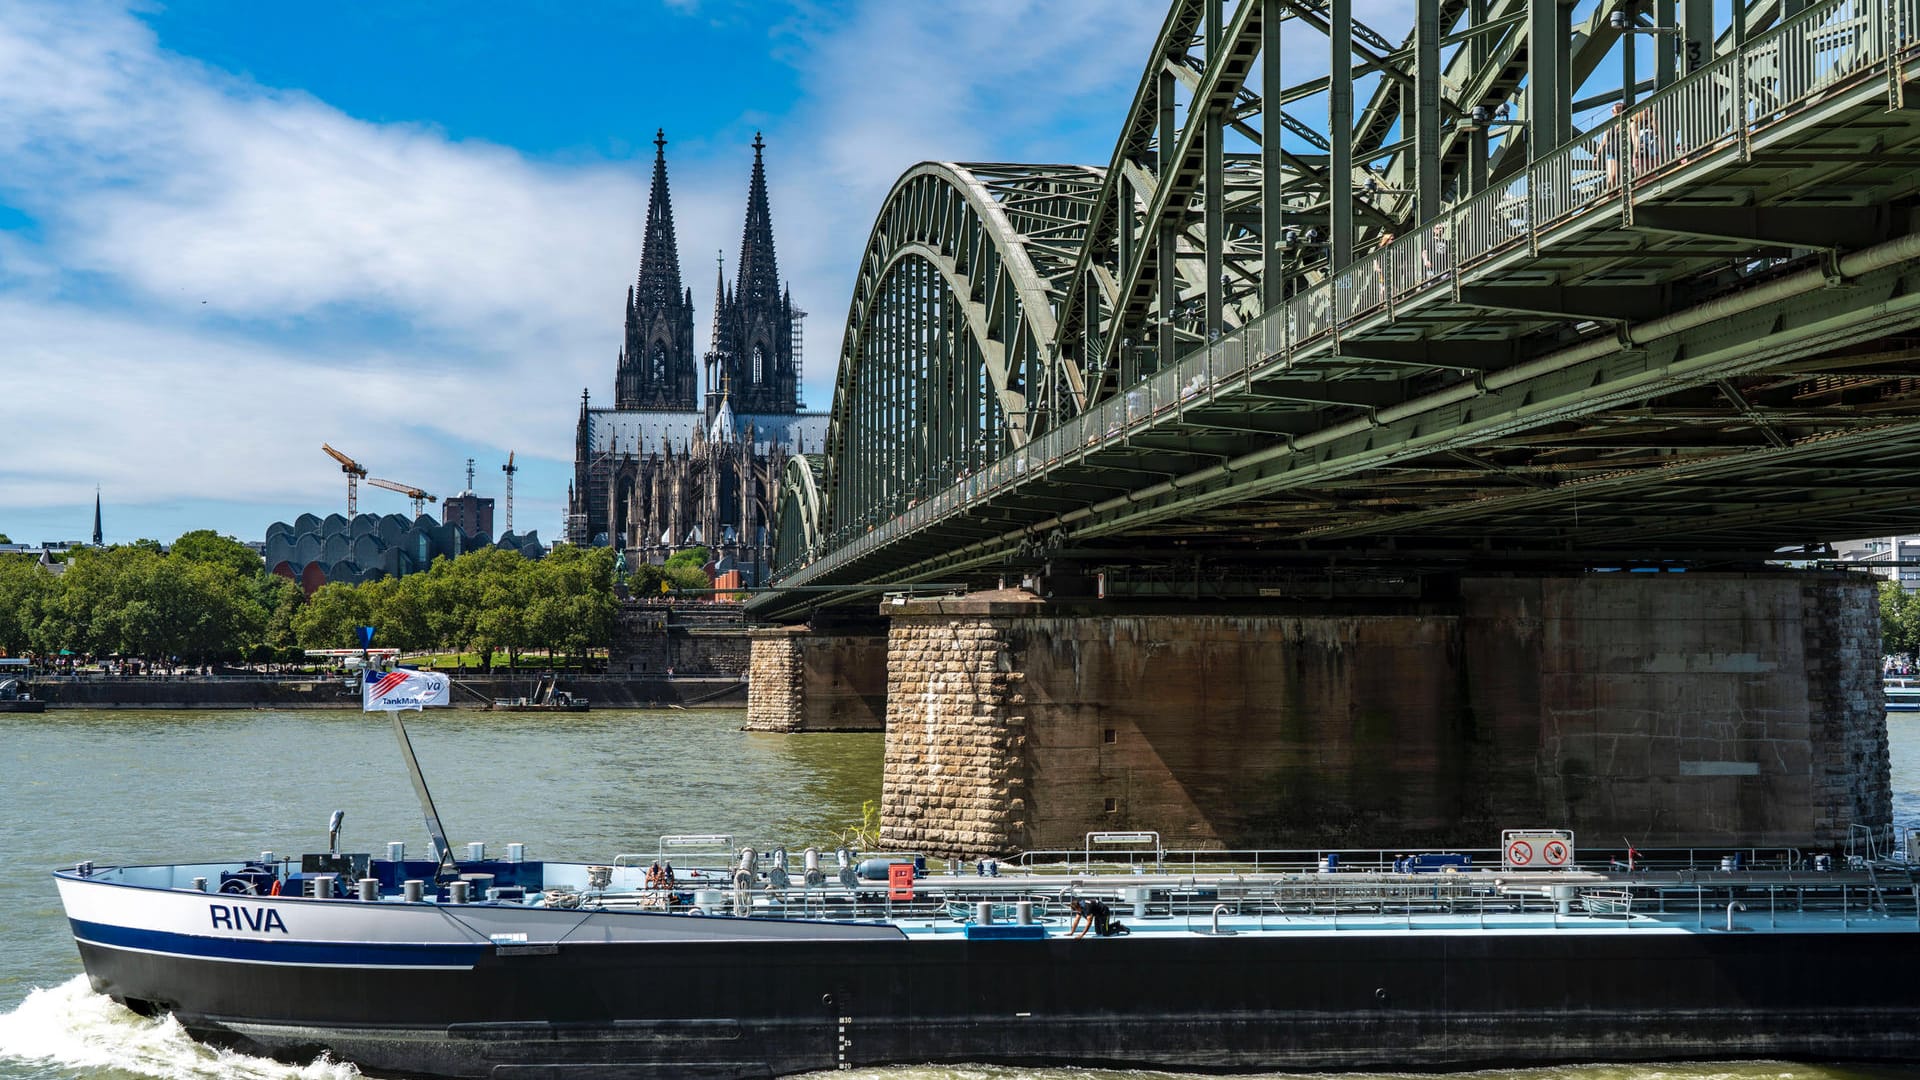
(1202, 1003)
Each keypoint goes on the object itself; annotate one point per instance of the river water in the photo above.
(164, 787)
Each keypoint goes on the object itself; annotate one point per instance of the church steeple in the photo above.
(656, 367)
(756, 358)
(759, 277)
(717, 344)
(659, 281)
(99, 539)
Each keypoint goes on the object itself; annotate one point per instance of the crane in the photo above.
(419, 497)
(355, 473)
(509, 468)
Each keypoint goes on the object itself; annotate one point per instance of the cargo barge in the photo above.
(518, 968)
(743, 963)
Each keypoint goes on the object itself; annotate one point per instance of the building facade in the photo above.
(672, 465)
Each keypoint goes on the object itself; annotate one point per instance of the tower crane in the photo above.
(355, 473)
(419, 497)
(509, 468)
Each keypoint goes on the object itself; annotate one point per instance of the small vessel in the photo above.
(14, 698)
(741, 963)
(546, 697)
(1903, 693)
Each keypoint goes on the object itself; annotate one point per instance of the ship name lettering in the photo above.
(258, 920)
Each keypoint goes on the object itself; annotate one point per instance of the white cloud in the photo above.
(222, 275)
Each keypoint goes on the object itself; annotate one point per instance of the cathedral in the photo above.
(675, 463)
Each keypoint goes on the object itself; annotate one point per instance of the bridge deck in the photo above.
(1648, 341)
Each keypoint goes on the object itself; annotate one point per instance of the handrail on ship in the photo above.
(1787, 66)
(1383, 901)
(1274, 900)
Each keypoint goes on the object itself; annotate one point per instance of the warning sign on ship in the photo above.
(1536, 849)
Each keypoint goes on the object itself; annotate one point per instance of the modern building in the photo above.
(674, 464)
(314, 550)
(469, 513)
(1896, 558)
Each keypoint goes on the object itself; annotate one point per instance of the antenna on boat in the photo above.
(371, 699)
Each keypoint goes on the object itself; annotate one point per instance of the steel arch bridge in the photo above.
(1491, 302)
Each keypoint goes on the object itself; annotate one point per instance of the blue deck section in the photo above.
(998, 932)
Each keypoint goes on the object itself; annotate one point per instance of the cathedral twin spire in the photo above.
(656, 369)
(751, 357)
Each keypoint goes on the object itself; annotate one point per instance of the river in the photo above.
(162, 787)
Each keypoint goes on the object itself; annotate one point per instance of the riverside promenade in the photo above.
(260, 691)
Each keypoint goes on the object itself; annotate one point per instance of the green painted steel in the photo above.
(1602, 348)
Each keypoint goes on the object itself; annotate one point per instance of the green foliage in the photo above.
(207, 546)
(132, 600)
(327, 619)
(1899, 620)
(211, 598)
(25, 589)
(695, 557)
(865, 835)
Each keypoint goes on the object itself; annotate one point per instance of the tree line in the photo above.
(211, 598)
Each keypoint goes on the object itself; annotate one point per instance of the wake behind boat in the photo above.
(704, 958)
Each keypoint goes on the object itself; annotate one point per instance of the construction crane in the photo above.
(355, 471)
(419, 497)
(509, 468)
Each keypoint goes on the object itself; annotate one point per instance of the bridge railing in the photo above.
(1724, 102)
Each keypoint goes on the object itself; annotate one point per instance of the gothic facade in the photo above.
(669, 467)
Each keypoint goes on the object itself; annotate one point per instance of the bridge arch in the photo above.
(800, 514)
(951, 324)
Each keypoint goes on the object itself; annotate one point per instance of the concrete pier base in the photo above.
(801, 679)
(1669, 709)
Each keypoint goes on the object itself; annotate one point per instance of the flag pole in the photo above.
(442, 851)
(436, 832)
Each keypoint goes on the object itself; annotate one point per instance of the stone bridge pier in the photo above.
(1666, 709)
(804, 679)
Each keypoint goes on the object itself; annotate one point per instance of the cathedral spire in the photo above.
(719, 302)
(659, 281)
(759, 278)
(657, 368)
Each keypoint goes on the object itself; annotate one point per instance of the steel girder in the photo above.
(1543, 374)
(951, 324)
(797, 531)
(1173, 257)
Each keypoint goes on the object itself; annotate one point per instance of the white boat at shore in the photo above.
(1903, 693)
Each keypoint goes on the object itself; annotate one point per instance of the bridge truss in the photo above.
(1666, 320)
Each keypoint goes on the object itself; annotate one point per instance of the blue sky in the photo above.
(230, 232)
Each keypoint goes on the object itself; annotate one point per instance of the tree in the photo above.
(25, 589)
(473, 601)
(398, 607)
(328, 618)
(280, 599)
(695, 557)
(1899, 620)
(570, 600)
(207, 546)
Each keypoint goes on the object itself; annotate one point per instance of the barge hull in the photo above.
(1343, 1000)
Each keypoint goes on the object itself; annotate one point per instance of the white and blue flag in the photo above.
(403, 688)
